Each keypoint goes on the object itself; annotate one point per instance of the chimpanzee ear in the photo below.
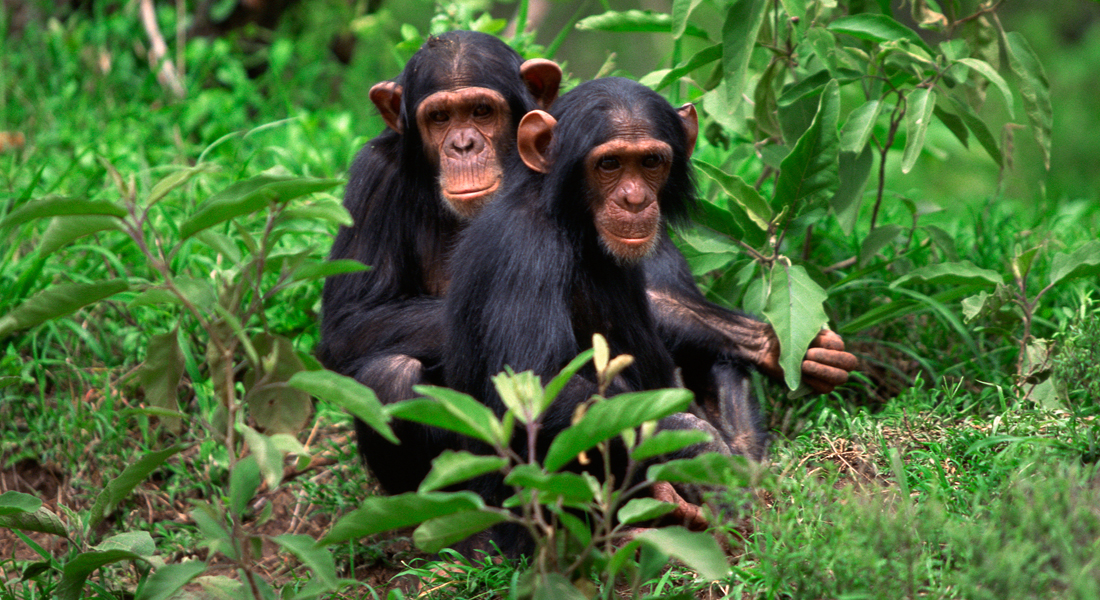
(386, 97)
(533, 137)
(690, 120)
(543, 78)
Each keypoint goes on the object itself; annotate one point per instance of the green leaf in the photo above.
(739, 33)
(65, 229)
(1034, 89)
(666, 441)
(453, 467)
(138, 542)
(709, 468)
(808, 87)
(453, 411)
(558, 382)
(697, 551)
(41, 520)
(954, 123)
(118, 488)
(244, 197)
(77, 570)
(56, 206)
(628, 21)
(244, 479)
(57, 301)
(877, 28)
(569, 487)
(954, 274)
(980, 130)
(440, 532)
(810, 170)
(163, 583)
(877, 239)
(161, 373)
(312, 271)
(986, 70)
(268, 457)
(644, 509)
(349, 395)
(383, 513)
(740, 193)
(554, 586)
(318, 559)
(173, 180)
(795, 308)
(1082, 262)
(918, 115)
(329, 210)
(855, 170)
(681, 12)
(607, 418)
(277, 408)
(859, 126)
(699, 59)
(18, 503)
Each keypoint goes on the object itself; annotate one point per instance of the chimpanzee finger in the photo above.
(838, 359)
(828, 340)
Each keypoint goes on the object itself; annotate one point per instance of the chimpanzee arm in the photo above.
(688, 322)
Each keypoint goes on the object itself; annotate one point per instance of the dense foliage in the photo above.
(164, 234)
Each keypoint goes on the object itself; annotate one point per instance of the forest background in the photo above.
(170, 183)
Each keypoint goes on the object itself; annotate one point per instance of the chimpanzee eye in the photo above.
(438, 116)
(608, 164)
(651, 161)
(483, 110)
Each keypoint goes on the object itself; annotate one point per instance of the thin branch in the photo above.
(167, 75)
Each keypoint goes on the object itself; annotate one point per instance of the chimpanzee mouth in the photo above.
(474, 194)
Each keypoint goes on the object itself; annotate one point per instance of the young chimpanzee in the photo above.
(451, 116)
(559, 256)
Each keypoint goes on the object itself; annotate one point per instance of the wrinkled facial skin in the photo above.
(467, 133)
(625, 176)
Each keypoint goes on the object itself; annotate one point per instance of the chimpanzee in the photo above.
(451, 116)
(559, 256)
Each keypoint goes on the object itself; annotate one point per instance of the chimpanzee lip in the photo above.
(467, 195)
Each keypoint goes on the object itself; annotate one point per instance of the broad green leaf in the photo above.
(57, 301)
(877, 28)
(160, 375)
(739, 33)
(1082, 262)
(709, 468)
(628, 21)
(644, 509)
(810, 170)
(558, 382)
(453, 467)
(199, 292)
(681, 12)
(1034, 89)
(877, 239)
(330, 211)
(986, 70)
(68, 228)
(918, 115)
(980, 130)
(118, 488)
(41, 520)
(77, 570)
(740, 193)
(268, 457)
(697, 551)
(56, 206)
(808, 87)
(957, 273)
(699, 59)
(607, 418)
(312, 271)
(163, 583)
(383, 513)
(453, 411)
(521, 393)
(855, 170)
(666, 441)
(795, 308)
(317, 558)
(440, 532)
(277, 408)
(954, 124)
(173, 180)
(570, 487)
(244, 480)
(349, 395)
(859, 126)
(554, 586)
(18, 503)
(244, 197)
(138, 542)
